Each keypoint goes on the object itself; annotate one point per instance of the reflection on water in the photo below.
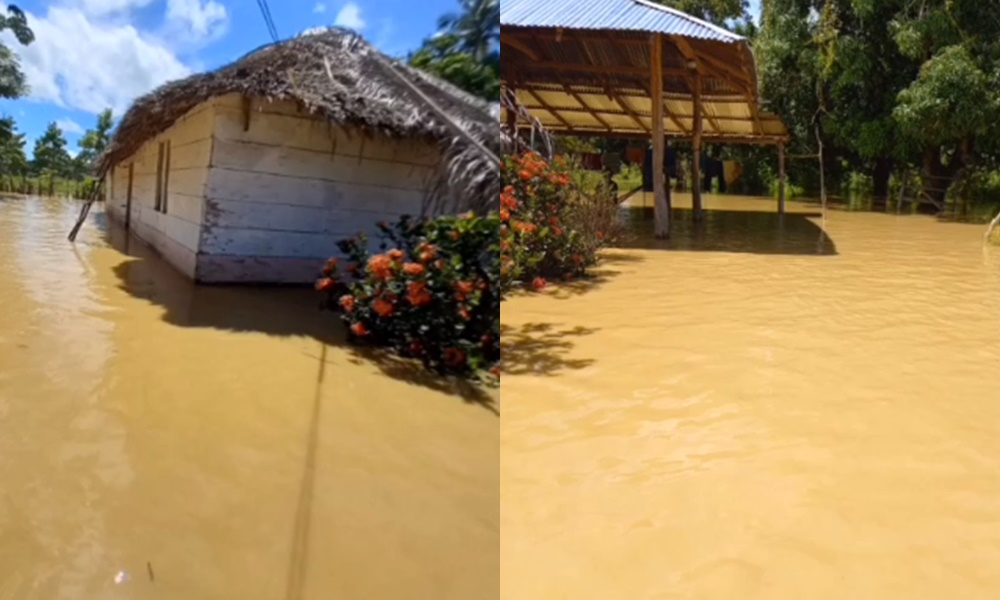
(735, 421)
(224, 438)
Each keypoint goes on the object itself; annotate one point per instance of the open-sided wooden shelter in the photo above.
(634, 68)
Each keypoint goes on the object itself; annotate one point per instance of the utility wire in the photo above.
(265, 11)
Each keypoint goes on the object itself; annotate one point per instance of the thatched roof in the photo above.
(338, 75)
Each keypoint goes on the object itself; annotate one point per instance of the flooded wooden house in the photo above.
(253, 172)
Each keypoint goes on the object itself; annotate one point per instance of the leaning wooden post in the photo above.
(661, 210)
(512, 118)
(781, 178)
(696, 147)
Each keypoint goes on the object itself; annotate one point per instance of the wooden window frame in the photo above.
(162, 201)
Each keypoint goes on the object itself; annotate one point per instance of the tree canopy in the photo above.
(888, 82)
(13, 83)
(51, 156)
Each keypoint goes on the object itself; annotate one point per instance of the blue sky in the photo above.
(92, 54)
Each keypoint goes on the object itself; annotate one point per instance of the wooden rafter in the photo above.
(628, 110)
(545, 106)
(586, 108)
(670, 115)
(599, 69)
(695, 83)
(752, 102)
(512, 42)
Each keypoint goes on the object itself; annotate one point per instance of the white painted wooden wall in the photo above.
(282, 193)
(269, 203)
(176, 235)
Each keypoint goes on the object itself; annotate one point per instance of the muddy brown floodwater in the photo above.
(223, 443)
(775, 411)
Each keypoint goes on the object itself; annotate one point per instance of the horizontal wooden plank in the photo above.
(227, 184)
(194, 126)
(241, 269)
(283, 217)
(314, 132)
(186, 207)
(182, 258)
(188, 182)
(301, 132)
(182, 232)
(194, 155)
(305, 164)
(253, 243)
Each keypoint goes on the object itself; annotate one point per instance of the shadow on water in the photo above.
(733, 231)
(283, 311)
(540, 349)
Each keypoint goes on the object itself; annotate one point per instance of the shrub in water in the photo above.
(432, 294)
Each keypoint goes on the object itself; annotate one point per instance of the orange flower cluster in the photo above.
(463, 289)
(427, 252)
(414, 269)
(525, 228)
(348, 303)
(380, 266)
(417, 294)
(383, 308)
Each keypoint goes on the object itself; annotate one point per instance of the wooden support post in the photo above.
(781, 178)
(696, 145)
(128, 197)
(511, 115)
(661, 210)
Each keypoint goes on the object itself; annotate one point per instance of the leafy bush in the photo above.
(549, 227)
(432, 294)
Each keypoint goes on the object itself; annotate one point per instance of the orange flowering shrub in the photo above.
(542, 232)
(432, 293)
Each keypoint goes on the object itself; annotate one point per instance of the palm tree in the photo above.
(477, 26)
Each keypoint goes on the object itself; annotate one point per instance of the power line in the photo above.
(265, 10)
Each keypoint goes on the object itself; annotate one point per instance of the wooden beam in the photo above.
(511, 114)
(586, 108)
(661, 208)
(512, 42)
(696, 150)
(595, 68)
(620, 113)
(545, 106)
(781, 178)
(628, 92)
(628, 110)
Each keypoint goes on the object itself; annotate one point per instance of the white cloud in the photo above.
(350, 17)
(206, 19)
(320, 8)
(70, 126)
(89, 64)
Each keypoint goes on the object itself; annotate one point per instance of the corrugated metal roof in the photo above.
(621, 15)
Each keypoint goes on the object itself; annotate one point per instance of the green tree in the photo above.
(477, 27)
(94, 141)
(12, 80)
(12, 158)
(51, 158)
(444, 56)
(951, 111)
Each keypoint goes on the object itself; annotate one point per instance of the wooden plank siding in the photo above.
(268, 203)
(176, 235)
(282, 193)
